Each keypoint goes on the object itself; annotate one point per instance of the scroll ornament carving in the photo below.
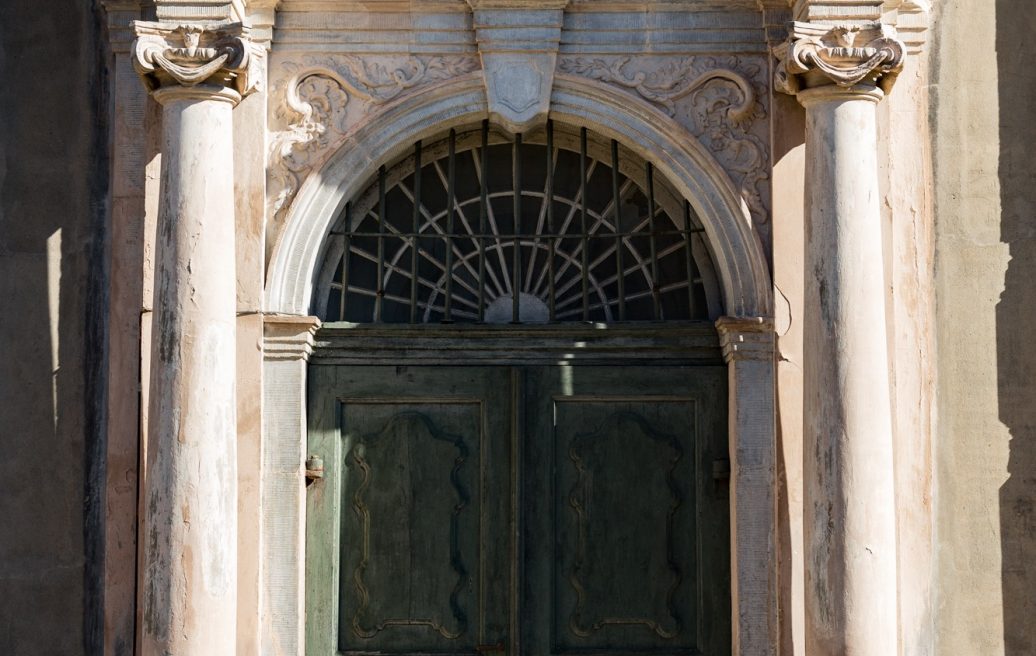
(190, 55)
(316, 94)
(725, 99)
(846, 55)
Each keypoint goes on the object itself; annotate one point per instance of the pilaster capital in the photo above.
(845, 55)
(288, 337)
(746, 338)
(184, 56)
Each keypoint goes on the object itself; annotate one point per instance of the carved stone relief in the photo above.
(721, 100)
(845, 55)
(319, 98)
(171, 54)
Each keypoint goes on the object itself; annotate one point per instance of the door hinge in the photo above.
(314, 468)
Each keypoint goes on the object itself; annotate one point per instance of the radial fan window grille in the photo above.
(552, 226)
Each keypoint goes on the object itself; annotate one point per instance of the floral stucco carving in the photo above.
(312, 102)
(719, 99)
(845, 55)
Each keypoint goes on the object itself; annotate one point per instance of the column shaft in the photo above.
(849, 488)
(190, 578)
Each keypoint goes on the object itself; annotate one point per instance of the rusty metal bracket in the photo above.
(314, 468)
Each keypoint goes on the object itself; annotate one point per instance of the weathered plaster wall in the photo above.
(53, 171)
(985, 496)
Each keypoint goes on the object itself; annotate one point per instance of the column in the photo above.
(198, 74)
(748, 348)
(839, 74)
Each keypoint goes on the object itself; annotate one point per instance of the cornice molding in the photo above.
(912, 19)
(198, 11)
(478, 5)
(746, 338)
(171, 55)
(846, 55)
(836, 12)
(119, 15)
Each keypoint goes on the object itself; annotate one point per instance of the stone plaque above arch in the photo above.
(518, 41)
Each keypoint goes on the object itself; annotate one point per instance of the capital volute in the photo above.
(195, 57)
(845, 55)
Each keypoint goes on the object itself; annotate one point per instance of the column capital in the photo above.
(196, 59)
(288, 337)
(846, 55)
(746, 338)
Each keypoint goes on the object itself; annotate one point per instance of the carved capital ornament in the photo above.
(844, 55)
(168, 55)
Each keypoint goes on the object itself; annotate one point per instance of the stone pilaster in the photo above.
(839, 73)
(198, 74)
(128, 126)
(748, 348)
(287, 345)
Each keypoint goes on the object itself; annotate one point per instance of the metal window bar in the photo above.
(516, 251)
(552, 242)
(585, 237)
(451, 205)
(617, 202)
(656, 292)
(483, 211)
(689, 256)
(379, 300)
(346, 249)
(416, 229)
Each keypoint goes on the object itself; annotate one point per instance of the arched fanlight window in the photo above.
(598, 237)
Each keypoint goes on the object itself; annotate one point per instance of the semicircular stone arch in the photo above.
(741, 271)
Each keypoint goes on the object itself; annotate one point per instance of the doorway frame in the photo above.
(745, 344)
(689, 346)
(747, 338)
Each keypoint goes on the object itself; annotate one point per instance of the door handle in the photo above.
(498, 648)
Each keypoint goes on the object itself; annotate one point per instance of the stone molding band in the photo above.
(843, 55)
(190, 56)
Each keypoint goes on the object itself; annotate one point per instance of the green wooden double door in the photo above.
(519, 510)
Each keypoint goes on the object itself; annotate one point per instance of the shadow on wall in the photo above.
(1015, 315)
(53, 172)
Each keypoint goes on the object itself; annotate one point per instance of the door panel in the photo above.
(627, 539)
(539, 510)
(422, 472)
(410, 524)
(623, 518)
